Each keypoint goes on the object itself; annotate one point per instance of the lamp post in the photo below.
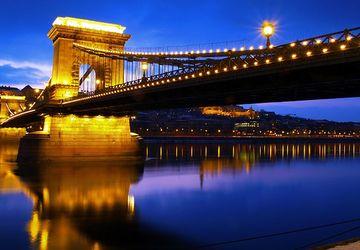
(268, 30)
(144, 67)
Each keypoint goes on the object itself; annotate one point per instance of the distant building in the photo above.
(14, 100)
(230, 111)
(248, 124)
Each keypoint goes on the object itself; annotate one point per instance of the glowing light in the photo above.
(245, 65)
(12, 97)
(88, 24)
(225, 69)
(268, 29)
(131, 204)
(234, 68)
(348, 38)
(309, 53)
(255, 63)
(342, 46)
(293, 56)
(305, 43)
(144, 66)
(267, 61)
(332, 40)
(98, 82)
(292, 44)
(325, 50)
(280, 58)
(318, 41)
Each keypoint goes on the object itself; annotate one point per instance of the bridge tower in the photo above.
(67, 33)
(64, 136)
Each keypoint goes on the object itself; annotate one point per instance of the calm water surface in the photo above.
(183, 196)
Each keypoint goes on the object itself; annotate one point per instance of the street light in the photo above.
(267, 30)
(144, 67)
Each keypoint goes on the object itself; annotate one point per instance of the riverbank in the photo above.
(343, 245)
(250, 139)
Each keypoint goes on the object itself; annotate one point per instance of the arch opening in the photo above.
(87, 78)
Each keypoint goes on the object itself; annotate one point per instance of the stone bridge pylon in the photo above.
(66, 33)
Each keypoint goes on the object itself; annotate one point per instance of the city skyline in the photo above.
(26, 52)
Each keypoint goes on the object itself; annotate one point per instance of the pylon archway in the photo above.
(67, 32)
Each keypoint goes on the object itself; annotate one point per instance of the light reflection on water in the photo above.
(184, 195)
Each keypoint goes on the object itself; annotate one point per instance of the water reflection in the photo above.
(250, 154)
(105, 204)
(73, 198)
(85, 205)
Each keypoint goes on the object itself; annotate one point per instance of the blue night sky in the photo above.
(26, 52)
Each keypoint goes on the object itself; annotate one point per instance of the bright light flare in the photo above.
(268, 29)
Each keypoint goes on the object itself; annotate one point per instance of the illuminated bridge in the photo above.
(93, 73)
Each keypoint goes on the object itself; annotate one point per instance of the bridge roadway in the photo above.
(331, 70)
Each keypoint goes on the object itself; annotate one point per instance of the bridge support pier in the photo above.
(82, 138)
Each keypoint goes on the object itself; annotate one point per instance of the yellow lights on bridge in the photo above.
(291, 51)
(304, 43)
(88, 24)
(12, 98)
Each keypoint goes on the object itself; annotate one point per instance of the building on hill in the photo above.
(229, 111)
